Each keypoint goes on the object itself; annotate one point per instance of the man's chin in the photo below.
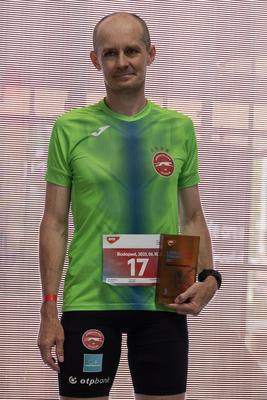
(128, 81)
(127, 85)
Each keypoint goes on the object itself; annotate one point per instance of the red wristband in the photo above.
(49, 297)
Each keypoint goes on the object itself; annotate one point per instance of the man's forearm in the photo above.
(197, 226)
(53, 243)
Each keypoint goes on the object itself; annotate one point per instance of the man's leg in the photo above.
(87, 398)
(91, 354)
(171, 397)
(158, 356)
(137, 397)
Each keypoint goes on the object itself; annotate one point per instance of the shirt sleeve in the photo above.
(189, 175)
(58, 169)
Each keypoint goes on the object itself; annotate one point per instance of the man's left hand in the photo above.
(195, 298)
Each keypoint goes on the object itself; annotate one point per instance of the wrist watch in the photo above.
(210, 272)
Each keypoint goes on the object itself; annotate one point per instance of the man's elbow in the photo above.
(52, 224)
(195, 216)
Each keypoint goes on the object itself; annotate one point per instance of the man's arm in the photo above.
(53, 243)
(192, 222)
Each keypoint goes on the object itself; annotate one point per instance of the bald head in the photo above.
(120, 16)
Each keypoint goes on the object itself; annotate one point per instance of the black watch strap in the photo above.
(210, 272)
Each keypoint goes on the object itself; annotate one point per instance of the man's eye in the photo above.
(131, 51)
(109, 53)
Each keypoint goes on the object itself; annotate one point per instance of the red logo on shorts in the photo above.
(93, 339)
(163, 164)
(112, 239)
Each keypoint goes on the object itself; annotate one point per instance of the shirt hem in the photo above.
(189, 184)
(117, 307)
(56, 182)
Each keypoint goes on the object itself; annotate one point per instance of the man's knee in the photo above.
(160, 397)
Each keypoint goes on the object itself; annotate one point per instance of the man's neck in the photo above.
(125, 103)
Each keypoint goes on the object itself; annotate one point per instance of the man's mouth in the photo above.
(122, 75)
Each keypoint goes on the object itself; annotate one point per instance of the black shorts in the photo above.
(157, 352)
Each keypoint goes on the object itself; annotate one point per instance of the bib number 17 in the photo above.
(134, 263)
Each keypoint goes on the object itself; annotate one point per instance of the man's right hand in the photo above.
(51, 334)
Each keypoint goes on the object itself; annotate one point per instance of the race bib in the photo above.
(130, 260)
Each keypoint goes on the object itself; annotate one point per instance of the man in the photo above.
(102, 160)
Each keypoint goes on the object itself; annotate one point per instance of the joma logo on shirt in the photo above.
(100, 130)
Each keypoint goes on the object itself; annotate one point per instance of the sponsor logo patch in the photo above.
(93, 339)
(92, 362)
(89, 381)
(73, 380)
(112, 239)
(163, 164)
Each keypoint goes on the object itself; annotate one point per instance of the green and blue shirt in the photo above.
(124, 173)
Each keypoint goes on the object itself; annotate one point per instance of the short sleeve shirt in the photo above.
(124, 173)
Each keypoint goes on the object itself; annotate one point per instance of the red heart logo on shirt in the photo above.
(112, 239)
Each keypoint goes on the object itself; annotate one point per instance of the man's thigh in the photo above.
(158, 356)
(92, 350)
(84, 398)
(175, 397)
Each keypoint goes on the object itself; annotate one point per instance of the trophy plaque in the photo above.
(177, 266)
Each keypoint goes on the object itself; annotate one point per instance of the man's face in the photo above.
(122, 54)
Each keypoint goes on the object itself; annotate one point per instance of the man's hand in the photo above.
(194, 299)
(51, 334)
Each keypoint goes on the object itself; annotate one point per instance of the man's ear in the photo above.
(94, 60)
(151, 55)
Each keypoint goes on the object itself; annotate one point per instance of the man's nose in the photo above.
(122, 60)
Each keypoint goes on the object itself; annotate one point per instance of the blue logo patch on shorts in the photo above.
(92, 362)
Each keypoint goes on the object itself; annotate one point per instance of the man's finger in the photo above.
(185, 308)
(49, 360)
(183, 297)
(60, 350)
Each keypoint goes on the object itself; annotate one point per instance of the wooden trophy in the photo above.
(177, 266)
